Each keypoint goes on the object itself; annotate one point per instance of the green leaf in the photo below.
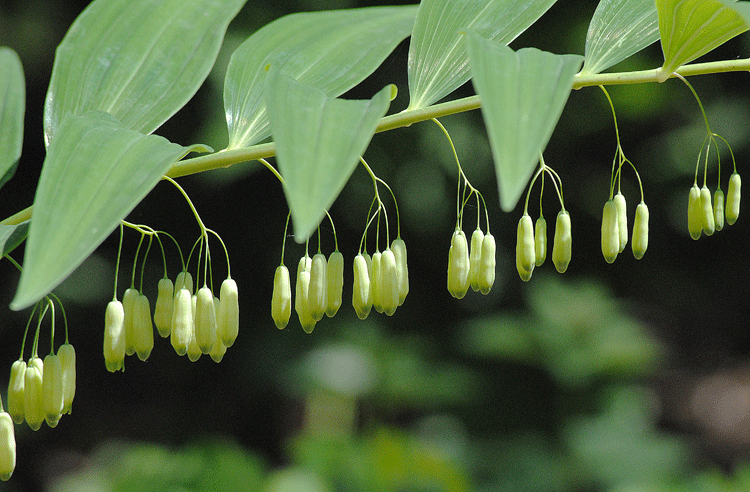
(618, 29)
(94, 174)
(138, 60)
(523, 94)
(12, 108)
(11, 236)
(331, 50)
(318, 143)
(692, 28)
(438, 62)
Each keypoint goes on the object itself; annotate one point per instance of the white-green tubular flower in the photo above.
(694, 212)
(361, 296)
(281, 300)
(15, 391)
(398, 246)
(622, 220)
(184, 280)
(302, 287)
(335, 271)
(374, 268)
(707, 212)
(388, 282)
(228, 313)
(52, 390)
(540, 241)
(143, 329)
(733, 198)
(182, 321)
(525, 248)
(33, 395)
(458, 265)
(475, 253)
(317, 296)
(562, 247)
(205, 319)
(128, 303)
(610, 232)
(7, 447)
(640, 231)
(719, 210)
(487, 264)
(67, 355)
(163, 307)
(114, 336)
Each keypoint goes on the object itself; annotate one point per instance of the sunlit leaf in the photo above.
(523, 94)
(96, 171)
(11, 236)
(12, 108)
(138, 60)
(318, 143)
(331, 50)
(438, 62)
(618, 29)
(691, 28)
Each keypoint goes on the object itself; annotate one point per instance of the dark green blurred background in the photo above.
(625, 377)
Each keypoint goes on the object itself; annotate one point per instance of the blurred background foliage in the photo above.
(621, 378)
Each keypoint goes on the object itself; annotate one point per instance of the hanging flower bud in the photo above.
(128, 303)
(640, 231)
(205, 319)
(143, 329)
(475, 253)
(375, 282)
(228, 313)
(182, 321)
(163, 307)
(317, 296)
(114, 336)
(540, 241)
(302, 287)
(525, 248)
(563, 243)
(218, 351)
(487, 264)
(184, 280)
(695, 218)
(388, 282)
(67, 355)
(622, 220)
(719, 210)
(458, 265)
(281, 300)
(15, 391)
(707, 212)
(335, 271)
(610, 232)
(33, 394)
(733, 198)
(52, 389)
(7, 447)
(398, 246)
(361, 300)
(193, 351)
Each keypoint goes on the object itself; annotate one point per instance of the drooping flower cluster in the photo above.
(705, 217)
(615, 228)
(471, 266)
(380, 281)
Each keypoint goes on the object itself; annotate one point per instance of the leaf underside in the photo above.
(12, 109)
(94, 174)
(330, 50)
(523, 94)
(438, 62)
(11, 236)
(318, 143)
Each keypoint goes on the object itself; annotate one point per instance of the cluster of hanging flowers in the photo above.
(531, 238)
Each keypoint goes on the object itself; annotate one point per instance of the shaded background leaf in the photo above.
(332, 51)
(438, 62)
(618, 29)
(94, 174)
(318, 143)
(523, 94)
(138, 60)
(692, 28)
(11, 236)
(12, 109)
